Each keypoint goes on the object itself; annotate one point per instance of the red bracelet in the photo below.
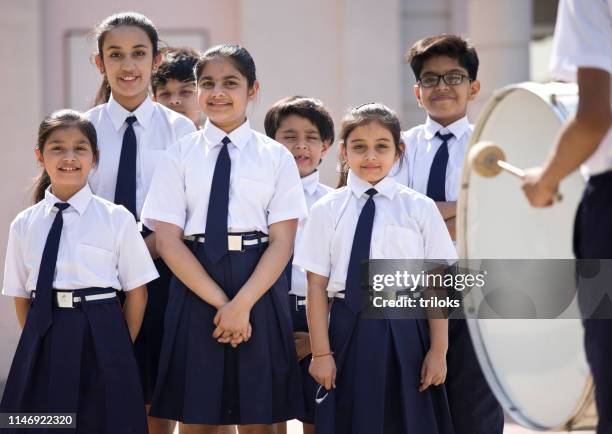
(331, 353)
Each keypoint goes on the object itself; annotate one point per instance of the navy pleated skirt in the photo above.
(309, 385)
(201, 381)
(378, 376)
(148, 344)
(84, 364)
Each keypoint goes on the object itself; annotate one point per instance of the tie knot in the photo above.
(61, 206)
(130, 120)
(226, 140)
(444, 137)
(371, 192)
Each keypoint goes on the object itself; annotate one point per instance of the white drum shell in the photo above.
(536, 368)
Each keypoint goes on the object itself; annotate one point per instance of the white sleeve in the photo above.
(183, 128)
(166, 200)
(313, 252)
(15, 272)
(583, 38)
(438, 243)
(288, 201)
(134, 264)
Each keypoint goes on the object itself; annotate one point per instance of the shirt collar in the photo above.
(311, 182)
(118, 114)
(386, 187)
(458, 128)
(78, 201)
(239, 137)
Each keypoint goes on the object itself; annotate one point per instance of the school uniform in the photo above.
(224, 191)
(298, 288)
(378, 360)
(432, 165)
(124, 177)
(75, 353)
(583, 38)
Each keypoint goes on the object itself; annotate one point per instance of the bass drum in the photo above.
(536, 368)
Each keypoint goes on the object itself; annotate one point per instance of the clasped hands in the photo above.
(232, 324)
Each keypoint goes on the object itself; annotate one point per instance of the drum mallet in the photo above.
(488, 160)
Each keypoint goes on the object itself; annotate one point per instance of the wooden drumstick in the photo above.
(488, 160)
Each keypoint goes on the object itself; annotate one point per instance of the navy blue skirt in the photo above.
(201, 381)
(149, 341)
(378, 376)
(84, 364)
(309, 385)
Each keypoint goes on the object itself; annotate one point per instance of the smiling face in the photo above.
(181, 97)
(302, 138)
(67, 157)
(370, 152)
(127, 60)
(444, 103)
(223, 93)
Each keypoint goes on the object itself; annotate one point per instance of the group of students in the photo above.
(159, 274)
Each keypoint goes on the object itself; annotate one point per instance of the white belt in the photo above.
(67, 298)
(140, 226)
(235, 243)
(336, 295)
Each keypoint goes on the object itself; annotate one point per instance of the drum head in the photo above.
(536, 368)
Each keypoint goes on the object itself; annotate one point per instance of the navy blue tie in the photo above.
(125, 191)
(44, 285)
(215, 240)
(360, 252)
(436, 185)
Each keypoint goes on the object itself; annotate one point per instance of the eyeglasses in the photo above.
(452, 79)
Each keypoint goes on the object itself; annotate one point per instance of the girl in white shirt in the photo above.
(224, 204)
(380, 361)
(66, 257)
(133, 132)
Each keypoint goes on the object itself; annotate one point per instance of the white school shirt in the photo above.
(421, 147)
(407, 225)
(313, 191)
(100, 246)
(583, 38)
(265, 186)
(156, 129)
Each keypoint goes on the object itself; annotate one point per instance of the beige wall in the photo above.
(216, 18)
(20, 113)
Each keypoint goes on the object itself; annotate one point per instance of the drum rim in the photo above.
(543, 92)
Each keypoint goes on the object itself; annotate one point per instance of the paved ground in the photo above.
(510, 428)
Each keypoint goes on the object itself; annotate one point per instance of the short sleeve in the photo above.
(438, 243)
(15, 272)
(166, 200)
(583, 38)
(135, 266)
(288, 201)
(313, 252)
(184, 127)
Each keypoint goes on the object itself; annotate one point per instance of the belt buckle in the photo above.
(64, 299)
(234, 243)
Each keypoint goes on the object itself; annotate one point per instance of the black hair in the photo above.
(61, 119)
(176, 64)
(308, 108)
(117, 20)
(363, 115)
(238, 55)
(452, 46)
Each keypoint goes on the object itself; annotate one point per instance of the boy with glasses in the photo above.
(445, 68)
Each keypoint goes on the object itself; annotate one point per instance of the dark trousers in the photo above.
(593, 240)
(473, 407)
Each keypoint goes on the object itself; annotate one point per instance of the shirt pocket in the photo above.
(403, 243)
(96, 265)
